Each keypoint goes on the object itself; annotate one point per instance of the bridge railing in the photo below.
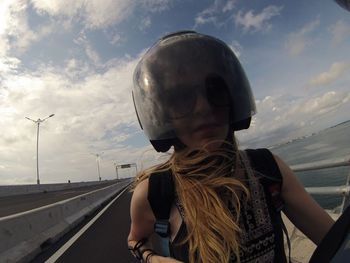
(342, 190)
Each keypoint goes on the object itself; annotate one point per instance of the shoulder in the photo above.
(139, 196)
(264, 161)
(141, 186)
(269, 163)
(292, 189)
(142, 218)
(290, 181)
(140, 209)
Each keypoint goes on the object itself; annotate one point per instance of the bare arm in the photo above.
(142, 222)
(301, 208)
(142, 219)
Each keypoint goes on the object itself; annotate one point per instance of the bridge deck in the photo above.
(105, 239)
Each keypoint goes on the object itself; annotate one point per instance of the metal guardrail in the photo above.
(343, 190)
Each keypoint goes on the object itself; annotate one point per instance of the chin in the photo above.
(211, 144)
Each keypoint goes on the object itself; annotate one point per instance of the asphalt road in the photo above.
(19, 203)
(103, 241)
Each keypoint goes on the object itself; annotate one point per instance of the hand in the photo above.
(160, 259)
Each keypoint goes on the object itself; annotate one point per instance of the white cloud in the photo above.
(89, 50)
(212, 13)
(205, 17)
(14, 26)
(95, 13)
(92, 113)
(145, 23)
(336, 70)
(15, 32)
(8, 64)
(156, 5)
(5, 16)
(27, 37)
(281, 118)
(298, 41)
(340, 31)
(259, 22)
(230, 5)
(100, 14)
(327, 102)
(116, 39)
(54, 8)
(16, 35)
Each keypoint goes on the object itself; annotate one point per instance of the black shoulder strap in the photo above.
(263, 161)
(161, 194)
(335, 246)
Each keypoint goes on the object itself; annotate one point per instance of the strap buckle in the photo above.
(162, 228)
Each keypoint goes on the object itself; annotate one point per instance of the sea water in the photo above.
(330, 143)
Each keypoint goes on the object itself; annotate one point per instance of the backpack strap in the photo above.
(262, 160)
(161, 195)
(335, 246)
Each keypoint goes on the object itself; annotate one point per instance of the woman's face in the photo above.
(200, 112)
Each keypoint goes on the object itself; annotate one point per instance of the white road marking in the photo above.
(71, 241)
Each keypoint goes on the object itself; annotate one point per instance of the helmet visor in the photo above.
(182, 100)
(177, 71)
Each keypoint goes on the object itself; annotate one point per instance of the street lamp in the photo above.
(38, 121)
(98, 164)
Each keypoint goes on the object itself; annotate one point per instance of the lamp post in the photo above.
(98, 164)
(38, 121)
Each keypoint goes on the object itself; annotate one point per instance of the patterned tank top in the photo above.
(262, 235)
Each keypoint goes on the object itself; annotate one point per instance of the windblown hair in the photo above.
(209, 189)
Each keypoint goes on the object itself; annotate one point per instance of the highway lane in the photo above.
(19, 203)
(103, 241)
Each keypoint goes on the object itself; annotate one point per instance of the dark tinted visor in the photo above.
(181, 101)
(174, 72)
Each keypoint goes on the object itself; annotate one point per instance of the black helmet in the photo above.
(206, 60)
(344, 4)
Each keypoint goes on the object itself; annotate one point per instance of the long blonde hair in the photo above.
(208, 186)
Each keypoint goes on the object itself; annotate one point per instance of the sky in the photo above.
(75, 59)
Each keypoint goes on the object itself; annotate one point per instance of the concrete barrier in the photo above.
(24, 235)
(10, 190)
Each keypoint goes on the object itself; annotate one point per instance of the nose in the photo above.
(202, 106)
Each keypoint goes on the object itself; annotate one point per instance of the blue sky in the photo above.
(76, 58)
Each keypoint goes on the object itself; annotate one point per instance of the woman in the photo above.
(190, 92)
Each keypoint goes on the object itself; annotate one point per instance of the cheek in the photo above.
(183, 131)
(184, 127)
(215, 139)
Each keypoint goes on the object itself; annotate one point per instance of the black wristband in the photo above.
(146, 249)
(149, 256)
(135, 251)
